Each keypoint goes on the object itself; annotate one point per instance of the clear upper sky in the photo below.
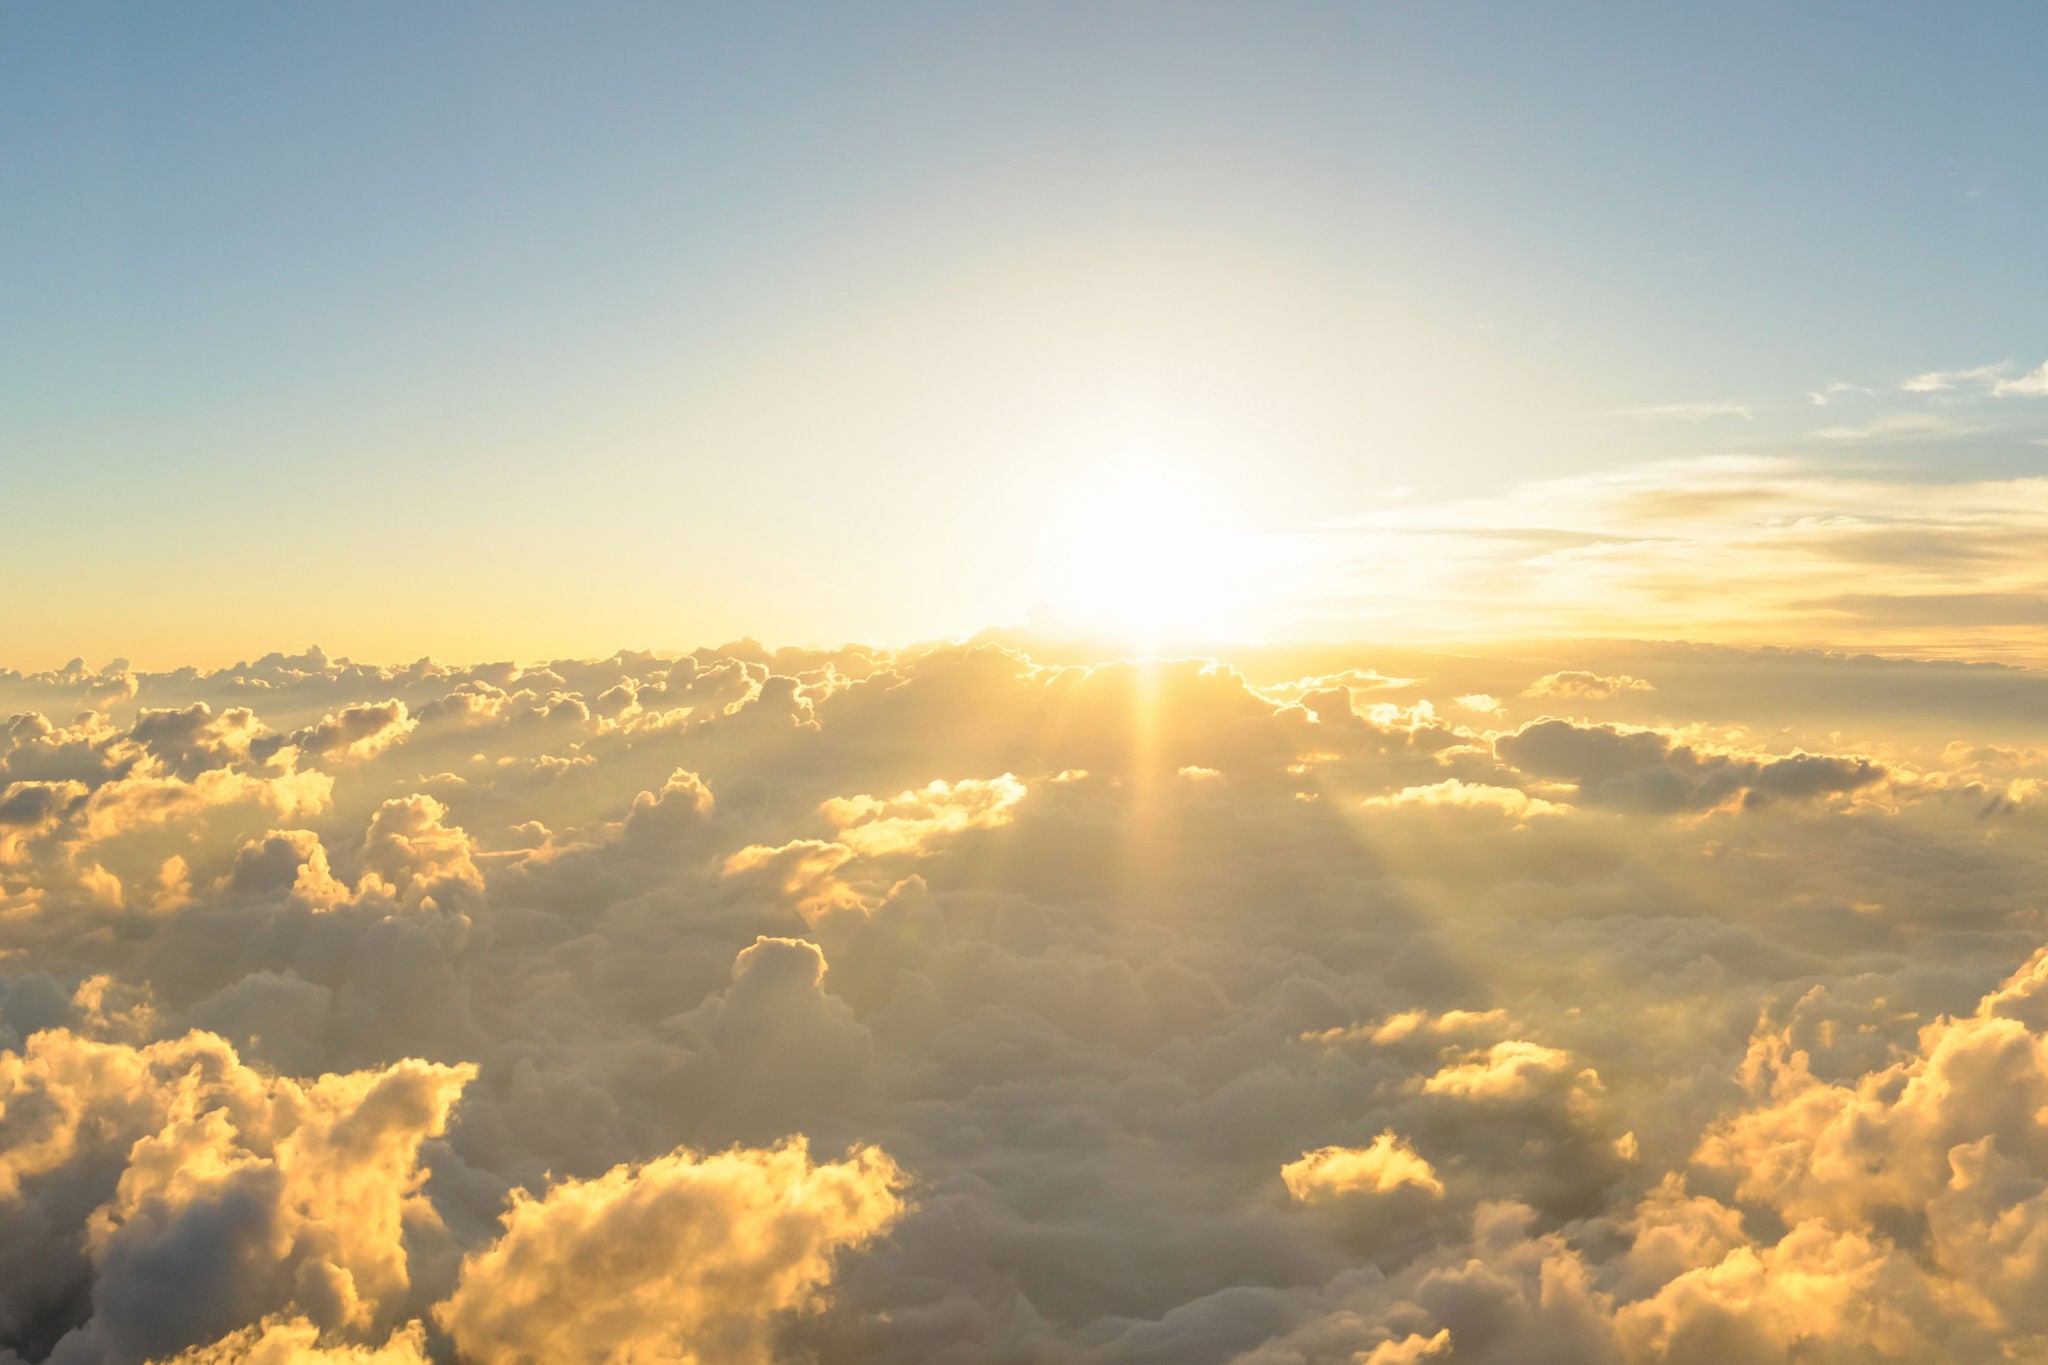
(509, 329)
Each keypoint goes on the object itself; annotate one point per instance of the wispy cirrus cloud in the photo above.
(2033, 384)
(1825, 395)
(1703, 411)
(1740, 548)
(1901, 426)
(1996, 380)
(1980, 377)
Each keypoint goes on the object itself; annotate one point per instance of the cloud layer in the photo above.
(985, 1002)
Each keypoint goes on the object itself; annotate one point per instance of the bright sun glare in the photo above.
(1144, 549)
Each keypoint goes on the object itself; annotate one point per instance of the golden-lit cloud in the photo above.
(906, 823)
(955, 1002)
(686, 1260)
(239, 1194)
(804, 870)
(295, 1341)
(1510, 1070)
(1333, 1172)
(1456, 792)
(1579, 685)
(809, 870)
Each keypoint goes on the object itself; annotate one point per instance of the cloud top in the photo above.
(967, 1002)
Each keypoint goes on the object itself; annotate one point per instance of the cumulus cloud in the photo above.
(1648, 770)
(805, 871)
(295, 1341)
(289, 863)
(1456, 792)
(1334, 1172)
(356, 732)
(410, 853)
(906, 823)
(137, 802)
(1515, 1069)
(1580, 685)
(685, 1260)
(809, 871)
(237, 1194)
(983, 1001)
(661, 817)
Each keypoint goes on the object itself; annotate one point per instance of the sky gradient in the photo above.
(1111, 684)
(511, 330)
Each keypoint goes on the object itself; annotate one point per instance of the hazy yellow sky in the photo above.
(525, 336)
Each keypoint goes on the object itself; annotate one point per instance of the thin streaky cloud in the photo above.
(2033, 384)
(1945, 381)
(1901, 426)
(1995, 380)
(1828, 393)
(1704, 411)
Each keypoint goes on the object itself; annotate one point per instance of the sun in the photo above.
(1143, 549)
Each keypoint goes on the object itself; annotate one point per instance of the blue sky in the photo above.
(559, 321)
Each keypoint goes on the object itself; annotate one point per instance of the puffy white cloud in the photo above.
(295, 1341)
(132, 803)
(1456, 793)
(662, 817)
(906, 823)
(234, 1194)
(1409, 1350)
(287, 863)
(773, 1048)
(1092, 951)
(1333, 1172)
(1512, 1070)
(806, 871)
(412, 854)
(809, 871)
(356, 732)
(685, 1260)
